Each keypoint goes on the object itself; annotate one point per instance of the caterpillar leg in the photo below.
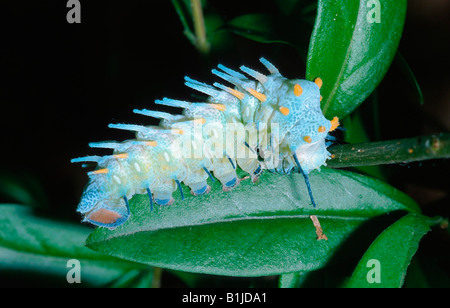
(232, 184)
(163, 192)
(105, 218)
(109, 216)
(196, 180)
(249, 163)
(257, 173)
(225, 171)
(203, 190)
(164, 199)
(251, 166)
(101, 209)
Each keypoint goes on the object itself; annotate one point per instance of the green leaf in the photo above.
(291, 280)
(255, 230)
(22, 189)
(351, 51)
(392, 252)
(42, 246)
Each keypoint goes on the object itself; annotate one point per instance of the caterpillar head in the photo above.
(100, 209)
(302, 125)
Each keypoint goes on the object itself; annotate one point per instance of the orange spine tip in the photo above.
(321, 98)
(307, 139)
(322, 129)
(334, 123)
(258, 95)
(100, 171)
(237, 94)
(298, 90)
(318, 82)
(178, 131)
(152, 143)
(121, 156)
(200, 121)
(284, 110)
(220, 107)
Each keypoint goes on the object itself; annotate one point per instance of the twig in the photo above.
(199, 26)
(319, 231)
(390, 152)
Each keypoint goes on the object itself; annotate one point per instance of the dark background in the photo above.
(64, 83)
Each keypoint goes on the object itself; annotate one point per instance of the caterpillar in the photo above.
(259, 122)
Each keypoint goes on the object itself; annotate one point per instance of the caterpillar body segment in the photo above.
(250, 120)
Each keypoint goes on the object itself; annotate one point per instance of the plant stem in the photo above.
(319, 231)
(390, 152)
(157, 273)
(199, 26)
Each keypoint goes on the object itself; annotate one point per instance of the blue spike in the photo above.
(189, 79)
(131, 127)
(209, 174)
(105, 145)
(155, 114)
(180, 189)
(173, 103)
(203, 89)
(272, 69)
(231, 72)
(86, 159)
(149, 192)
(308, 184)
(257, 75)
(230, 79)
(220, 86)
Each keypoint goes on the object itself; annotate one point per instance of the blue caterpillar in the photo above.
(258, 122)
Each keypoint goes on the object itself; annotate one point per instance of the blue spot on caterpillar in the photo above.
(262, 122)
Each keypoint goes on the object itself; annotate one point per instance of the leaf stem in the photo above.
(390, 152)
(157, 273)
(199, 26)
